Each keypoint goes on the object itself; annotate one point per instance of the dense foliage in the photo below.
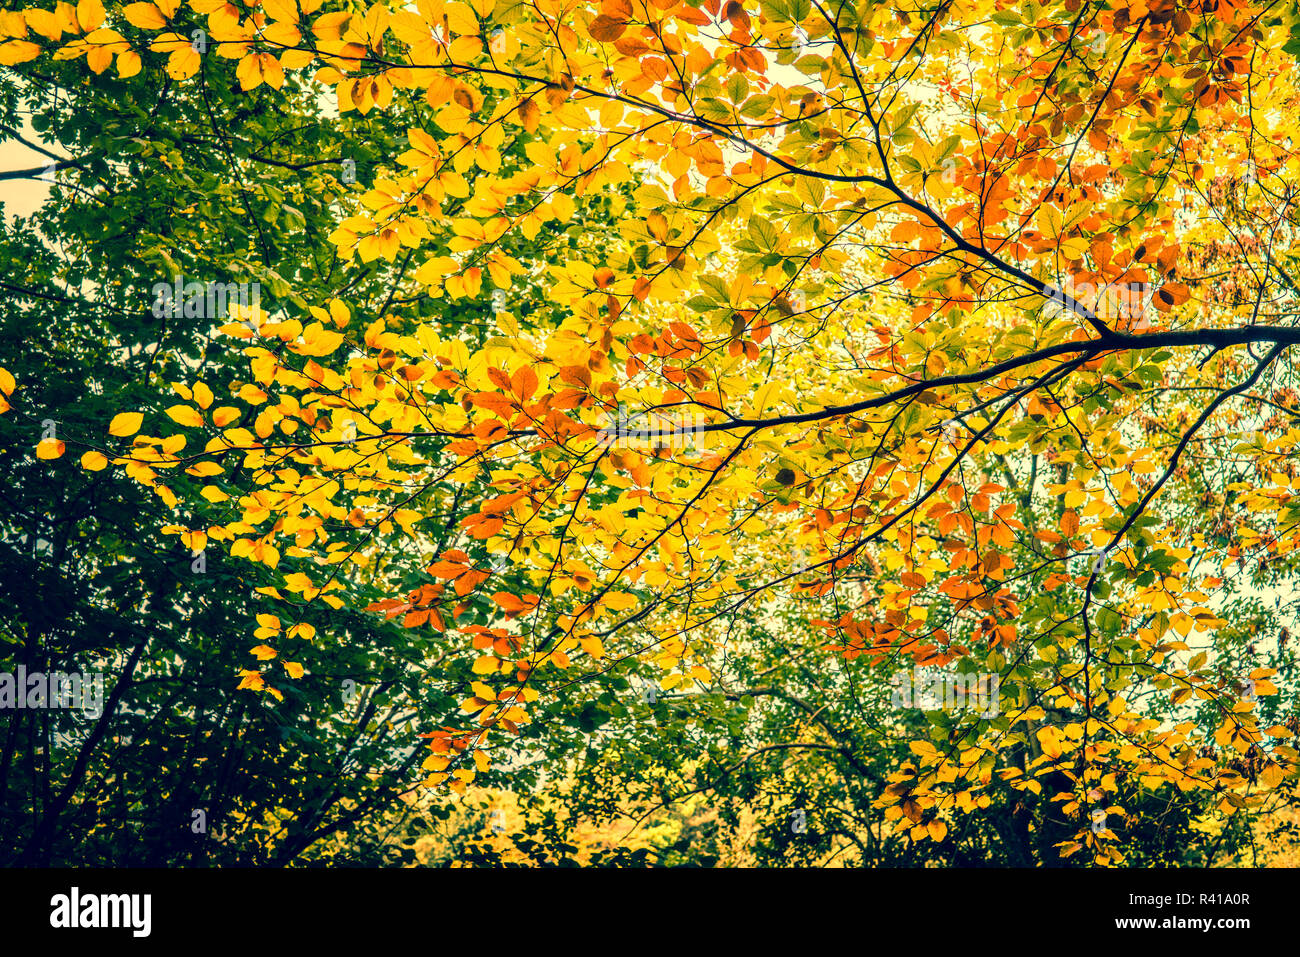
(731, 433)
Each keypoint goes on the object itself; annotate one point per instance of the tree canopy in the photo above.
(877, 421)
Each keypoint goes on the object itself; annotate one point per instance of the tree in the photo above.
(232, 192)
(976, 317)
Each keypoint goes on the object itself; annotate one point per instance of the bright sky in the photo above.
(22, 197)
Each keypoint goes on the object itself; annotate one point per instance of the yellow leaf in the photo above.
(272, 71)
(281, 10)
(90, 14)
(339, 313)
(125, 423)
(464, 49)
(128, 64)
(18, 51)
(294, 668)
(49, 449)
(106, 37)
(94, 461)
(183, 63)
(99, 59)
(6, 382)
(319, 341)
(44, 22)
(224, 415)
(185, 415)
(452, 118)
(1050, 739)
(144, 15)
(562, 206)
(249, 72)
(461, 19)
(263, 652)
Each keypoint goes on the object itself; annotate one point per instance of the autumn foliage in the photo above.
(969, 321)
